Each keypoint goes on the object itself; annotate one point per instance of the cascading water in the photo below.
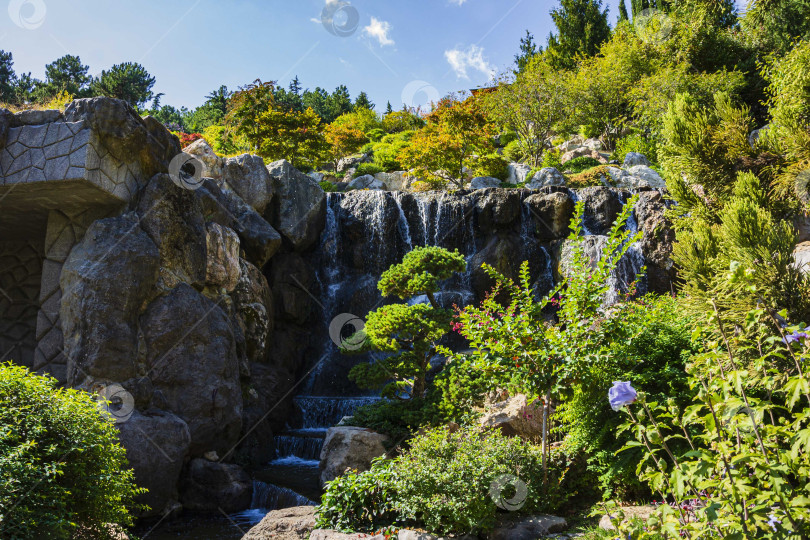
(365, 233)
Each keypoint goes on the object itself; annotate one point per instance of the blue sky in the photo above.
(408, 50)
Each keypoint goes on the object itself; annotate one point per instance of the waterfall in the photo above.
(269, 497)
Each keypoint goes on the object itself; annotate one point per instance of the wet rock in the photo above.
(299, 208)
(349, 448)
(248, 177)
(602, 207)
(552, 214)
(156, 443)
(498, 209)
(192, 361)
(105, 282)
(656, 242)
(288, 524)
(253, 302)
(173, 219)
(213, 486)
(518, 173)
(292, 282)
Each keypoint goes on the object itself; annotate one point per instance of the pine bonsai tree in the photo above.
(408, 334)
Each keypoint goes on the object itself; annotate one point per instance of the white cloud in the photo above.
(457, 2)
(472, 58)
(380, 31)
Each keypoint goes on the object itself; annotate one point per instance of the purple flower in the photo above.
(773, 522)
(796, 336)
(621, 394)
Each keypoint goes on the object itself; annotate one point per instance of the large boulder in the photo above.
(582, 152)
(498, 209)
(396, 181)
(527, 527)
(156, 443)
(657, 241)
(572, 143)
(801, 257)
(212, 164)
(173, 219)
(214, 486)
(299, 208)
(649, 175)
(631, 159)
(249, 178)
(349, 448)
(222, 268)
(547, 176)
(288, 524)
(642, 512)
(192, 361)
(224, 207)
(484, 182)
(517, 173)
(105, 281)
(367, 182)
(552, 214)
(125, 135)
(515, 417)
(602, 207)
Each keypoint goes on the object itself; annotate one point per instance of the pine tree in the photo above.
(66, 74)
(623, 16)
(363, 102)
(8, 79)
(295, 86)
(388, 108)
(340, 102)
(128, 81)
(582, 27)
(528, 49)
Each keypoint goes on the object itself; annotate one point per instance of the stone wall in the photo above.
(20, 274)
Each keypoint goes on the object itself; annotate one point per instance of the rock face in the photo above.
(527, 528)
(552, 214)
(515, 417)
(395, 181)
(247, 176)
(518, 173)
(99, 316)
(484, 182)
(212, 164)
(349, 448)
(299, 210)
(156, 443)
(210, 486)
(602, 207)
(222, 269)
(631, 159)
(289, 524)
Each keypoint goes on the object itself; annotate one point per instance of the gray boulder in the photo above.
(552, 214)
(105, 281)
(367, 182)
(642, 512)
(212, 164)
(35, 117)
(515, 417)
(547, 176)
(497, 208)
(527, 528)
(156, 443)
(395, 181)
(518, 173)
(288, 524)
(258, 238)
(253, 302)
(801, 257)
(173, 219)
(192, 361)
(248, 177)
(648, 175)
(484, 182)
(299, 208)
(631, 159)
(349, 448)
(213, 486)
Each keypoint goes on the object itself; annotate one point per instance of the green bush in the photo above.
(492, 165)
(375, 135)
(386, 152)
(398, 419)
(580, 164)
(447, 482)
(513, 152)
(63, 473)
(368, 168)
(636, 142)
(508, 137)
(327, 186)
(653, 357)
(551, 158)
